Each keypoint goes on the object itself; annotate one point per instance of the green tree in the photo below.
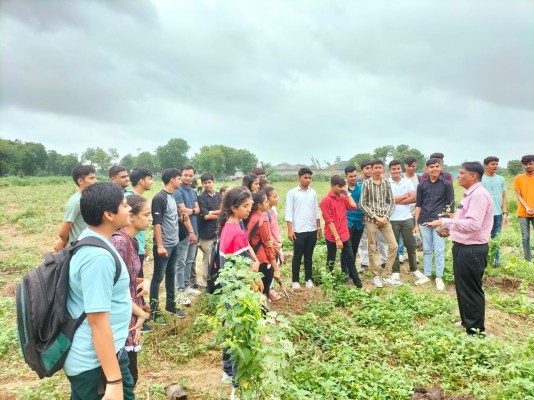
(514, 167)
(173, 154)
(382, 153)
(358, 158)
(402, 151)
(146, 160)
(128, 161)
(210, 159)
(100, 159)
(247, 160)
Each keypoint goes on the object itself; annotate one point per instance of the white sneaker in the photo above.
(418, 274)
(377, 281)
(401, 259)
(226, 379)
(458, 324)
(182, 299)
(234, 396)
(395, 276)
(422, 281)
(192, 292)
(392, 282)
(296, 285)
(309, 284)
(439, 284)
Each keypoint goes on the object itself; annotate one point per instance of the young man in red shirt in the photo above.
(334, 207)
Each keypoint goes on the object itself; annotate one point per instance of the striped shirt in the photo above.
(376, 200)
(474, 217)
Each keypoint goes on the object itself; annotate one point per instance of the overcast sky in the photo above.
(287, 80)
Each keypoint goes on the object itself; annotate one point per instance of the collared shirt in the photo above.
(355, 216)
(302, 209)
(187, 196)
(474, 217)
(401, 212)
(376, 200)
(334, 210)
(432, 197)
(207, 229)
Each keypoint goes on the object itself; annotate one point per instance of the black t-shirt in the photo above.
(207, 228)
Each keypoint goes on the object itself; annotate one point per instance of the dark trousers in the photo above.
(84, 386)
(304, 244)
(404, 229)
(469, 263)
(267, 278)
(163, 266)
(348, 264)
(132, 366)
(142, 259)
(355, 237)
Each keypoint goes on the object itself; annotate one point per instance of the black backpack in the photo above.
(214, 267)
(45, 327)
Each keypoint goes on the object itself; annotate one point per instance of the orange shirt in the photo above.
(525, 185)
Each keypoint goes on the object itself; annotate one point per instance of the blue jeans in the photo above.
(497, 226)
(432, 242)
(163, 266)
(401, 246)
(524, 225)
(186, 257)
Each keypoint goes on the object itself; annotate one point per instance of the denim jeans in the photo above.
(524, 225)
(497, 226)
(401, 246)
(163, 266)
(432, 242)
(186, 257)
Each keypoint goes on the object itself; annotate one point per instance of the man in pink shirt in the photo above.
(469, 232)
(334, 207)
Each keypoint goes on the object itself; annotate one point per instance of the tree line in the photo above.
(33, 159)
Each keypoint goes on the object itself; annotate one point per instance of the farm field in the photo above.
(341, 343)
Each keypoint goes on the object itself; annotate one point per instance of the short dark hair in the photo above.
(139, 173)
(490, 159)
(365, 163)
(136, 202)
(188, 166)
(258, 171)
(410, 160)
(527, 159)
(206, 176)
(337, 180)
(304, 171)
(98, 198)
(376, 162)
(394, 162)
(431, 161)
(115, 170)
(81, 171)
(350, 168)
(474, 166)
(170, 173)
(437, 155)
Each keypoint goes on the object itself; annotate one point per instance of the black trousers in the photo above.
(355, 237)
(348, 264)
(267, 279)
(304, 244)
(469, 263)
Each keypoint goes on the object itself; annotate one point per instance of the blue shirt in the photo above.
(91, 276)
(187, 196)
(495, 185)
(356, 216)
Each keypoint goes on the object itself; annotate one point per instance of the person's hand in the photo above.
(143, 286)
(415, 229)
(138, 324)
(319, 233)
(59, 245)
(146, 307)
(282, 259)
(255, 266)
(162, 252)
(530, 210)
(339, 244)
(259, 285)
(291, 236)
(269, 243)
(276, 273)
(113, 392)
(192, 238)
(436, 222)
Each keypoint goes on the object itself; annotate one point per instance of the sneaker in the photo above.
(296, 285)
(401, 259)
(309, 284)
(377, 282)
(177, 313)
(392, 282)
(364, 267)
(395, 276)
(422, 281)
(226, 379)
(418, 274)
(458, 324)
(439, 284)
(234, 396)
(182, 299)
(192, 292)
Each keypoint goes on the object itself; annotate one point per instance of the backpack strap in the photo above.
(96, 242)
(252, 234)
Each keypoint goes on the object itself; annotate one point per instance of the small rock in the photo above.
(175, 392)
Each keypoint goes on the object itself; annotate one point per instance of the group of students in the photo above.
(370, 215)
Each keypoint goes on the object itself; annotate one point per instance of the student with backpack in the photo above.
(272, 216)
(97, 363)
(124, 240)
(233, 240)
